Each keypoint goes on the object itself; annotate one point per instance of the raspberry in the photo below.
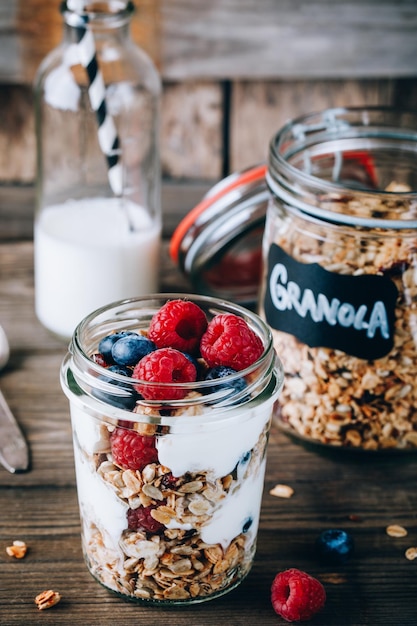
(229, 341)
(297, 596)
(178, 324)
(141, 519)
(165, 365)
(131, 450)
(99, 359)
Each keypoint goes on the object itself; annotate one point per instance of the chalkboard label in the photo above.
(355, 314)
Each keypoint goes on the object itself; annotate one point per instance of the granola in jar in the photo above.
(340, 278)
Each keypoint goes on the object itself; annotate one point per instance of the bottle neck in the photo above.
(104, 19)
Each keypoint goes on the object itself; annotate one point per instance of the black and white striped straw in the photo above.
(107, 133)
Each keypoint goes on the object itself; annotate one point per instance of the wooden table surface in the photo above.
(362, 494)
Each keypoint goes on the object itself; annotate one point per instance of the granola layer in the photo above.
(177, 564)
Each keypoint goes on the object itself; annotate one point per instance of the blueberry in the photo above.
(247, 524)
(193, 360)
(130, 349)
(241, 467)
(235, 385)
(121, 402)
(334, 546)
(106, 344)
(122, 371)
(245, 458)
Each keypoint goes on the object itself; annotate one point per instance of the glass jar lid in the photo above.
(218, 244)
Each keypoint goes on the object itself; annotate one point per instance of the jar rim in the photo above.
(77, 11)
(80, 371)
(367, 230)
(299, 136)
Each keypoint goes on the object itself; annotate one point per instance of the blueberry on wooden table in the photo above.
(334, 546)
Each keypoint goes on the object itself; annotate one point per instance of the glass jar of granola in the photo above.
(340, 271)
(170, 449)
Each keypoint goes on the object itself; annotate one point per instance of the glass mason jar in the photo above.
(98, 217)
(179, 526)
(340, 272)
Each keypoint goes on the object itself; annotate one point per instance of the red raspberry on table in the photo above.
(130, 450)
(141, 519)
(229, 341)
(165, 365)
(297, 596)
(178, 324)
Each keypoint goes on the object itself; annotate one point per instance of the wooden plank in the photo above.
(322, 42)
(17, 204)
(10, 65)
(259, 109)
(199, 138)
(17, 134)
(178, 198)
(191, 132)
(300, 39)
(224, 39)
(192, 124)
(29, 29)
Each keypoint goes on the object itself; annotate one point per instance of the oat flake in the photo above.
(282, 491)
(394, 530)
(411, 553)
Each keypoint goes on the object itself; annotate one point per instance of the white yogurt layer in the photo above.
(98, 502)
(86, 429)
(240, 507)
(212, 450)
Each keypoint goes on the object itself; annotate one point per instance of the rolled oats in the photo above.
(191, 487)
(152, 492)
(162, 516)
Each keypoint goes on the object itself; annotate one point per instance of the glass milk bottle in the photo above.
(97, 226)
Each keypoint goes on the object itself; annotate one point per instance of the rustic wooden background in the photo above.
(233, 71)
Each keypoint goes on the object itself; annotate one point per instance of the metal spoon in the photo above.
(14, 452)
